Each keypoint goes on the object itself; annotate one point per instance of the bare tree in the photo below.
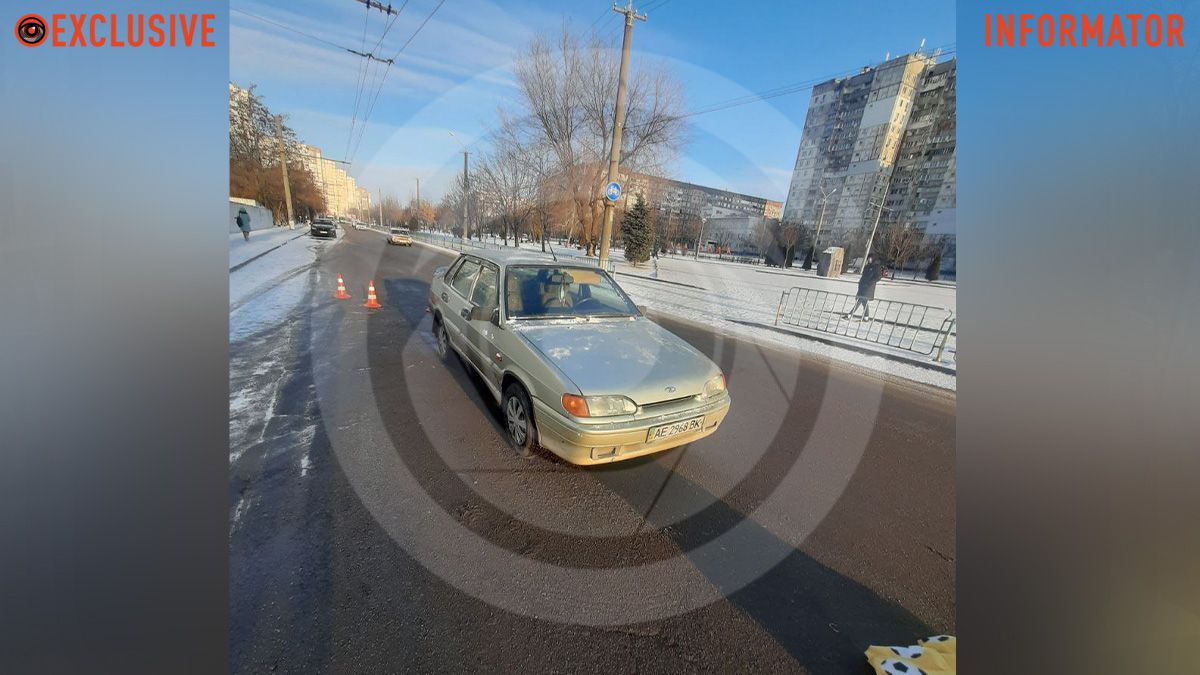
(901, 243)
(509, 176)
(568, 93)
(254, 168)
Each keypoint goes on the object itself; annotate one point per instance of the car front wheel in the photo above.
(518, 419)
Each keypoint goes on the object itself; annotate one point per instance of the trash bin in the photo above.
(830, 264)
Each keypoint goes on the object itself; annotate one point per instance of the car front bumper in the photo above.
(605, 442)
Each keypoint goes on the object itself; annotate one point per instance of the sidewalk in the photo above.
(269, 277)
(261, 242)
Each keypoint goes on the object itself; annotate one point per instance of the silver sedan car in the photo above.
(574, 365)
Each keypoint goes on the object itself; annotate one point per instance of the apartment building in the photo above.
(687, 200)
(885, 136)
(343, 196)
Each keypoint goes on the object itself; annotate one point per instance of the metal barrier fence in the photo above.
(457, 244)
(921, 329)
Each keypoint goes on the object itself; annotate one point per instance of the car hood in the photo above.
(638, 358)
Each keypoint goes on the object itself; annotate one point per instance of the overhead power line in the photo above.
(418, 30)
(362, 78)
(382, 80)
(310, 36)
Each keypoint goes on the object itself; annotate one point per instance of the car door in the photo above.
(457, 303)
(481, 331)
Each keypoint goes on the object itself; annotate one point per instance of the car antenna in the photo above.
(552, 251)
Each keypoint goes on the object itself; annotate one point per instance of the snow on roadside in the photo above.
(261, 241)
(262, 293)
(719, 311)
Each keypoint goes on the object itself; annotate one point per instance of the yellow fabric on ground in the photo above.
(933, 656)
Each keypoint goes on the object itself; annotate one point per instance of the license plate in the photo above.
(675, 428)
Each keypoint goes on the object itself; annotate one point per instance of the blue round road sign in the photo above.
(613, 191)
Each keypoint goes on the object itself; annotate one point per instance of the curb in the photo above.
(250, 260)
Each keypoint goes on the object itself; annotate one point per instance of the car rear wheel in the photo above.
(518, 419)
(442, 340)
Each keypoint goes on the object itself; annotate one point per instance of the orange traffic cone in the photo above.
(372, 303)
(341, 292)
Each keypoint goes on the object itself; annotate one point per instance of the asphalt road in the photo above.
(372, 495)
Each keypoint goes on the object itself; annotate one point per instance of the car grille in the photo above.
(658, 405)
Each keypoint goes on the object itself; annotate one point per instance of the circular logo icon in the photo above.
(31, 30)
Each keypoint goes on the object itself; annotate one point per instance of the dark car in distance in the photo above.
(323, 227)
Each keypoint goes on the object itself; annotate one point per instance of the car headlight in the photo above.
(715, 386)
(598, 406)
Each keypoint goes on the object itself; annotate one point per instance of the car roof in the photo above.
(510, 258)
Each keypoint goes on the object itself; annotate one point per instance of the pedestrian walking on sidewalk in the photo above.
(871, 275)
(243, 223)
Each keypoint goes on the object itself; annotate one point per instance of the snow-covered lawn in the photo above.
(727, 295)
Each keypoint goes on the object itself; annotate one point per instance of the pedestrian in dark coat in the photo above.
(243, 222)
(871, 275)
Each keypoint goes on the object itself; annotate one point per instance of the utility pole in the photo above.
(871, 240)
(466, 185)
(287, 186)
(703, 222)
(379, 191)
(418, 203)
(614, 161)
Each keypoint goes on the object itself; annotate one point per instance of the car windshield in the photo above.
(395, 231)
(551, 292)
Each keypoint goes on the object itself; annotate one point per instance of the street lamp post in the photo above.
(871, 240)
(824, 196)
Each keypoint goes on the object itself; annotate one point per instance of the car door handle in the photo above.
(445, 298)
(466, 313)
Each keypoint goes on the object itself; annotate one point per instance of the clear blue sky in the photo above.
(457, 70)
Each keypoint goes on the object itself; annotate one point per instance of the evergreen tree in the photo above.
(637, 233)
(934, 271)
(808, 258)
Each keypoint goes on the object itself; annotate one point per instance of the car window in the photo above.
(536, 291)
(487, 288)
(465, 276)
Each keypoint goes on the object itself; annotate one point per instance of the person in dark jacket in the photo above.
(243, 223)
(871, 275)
